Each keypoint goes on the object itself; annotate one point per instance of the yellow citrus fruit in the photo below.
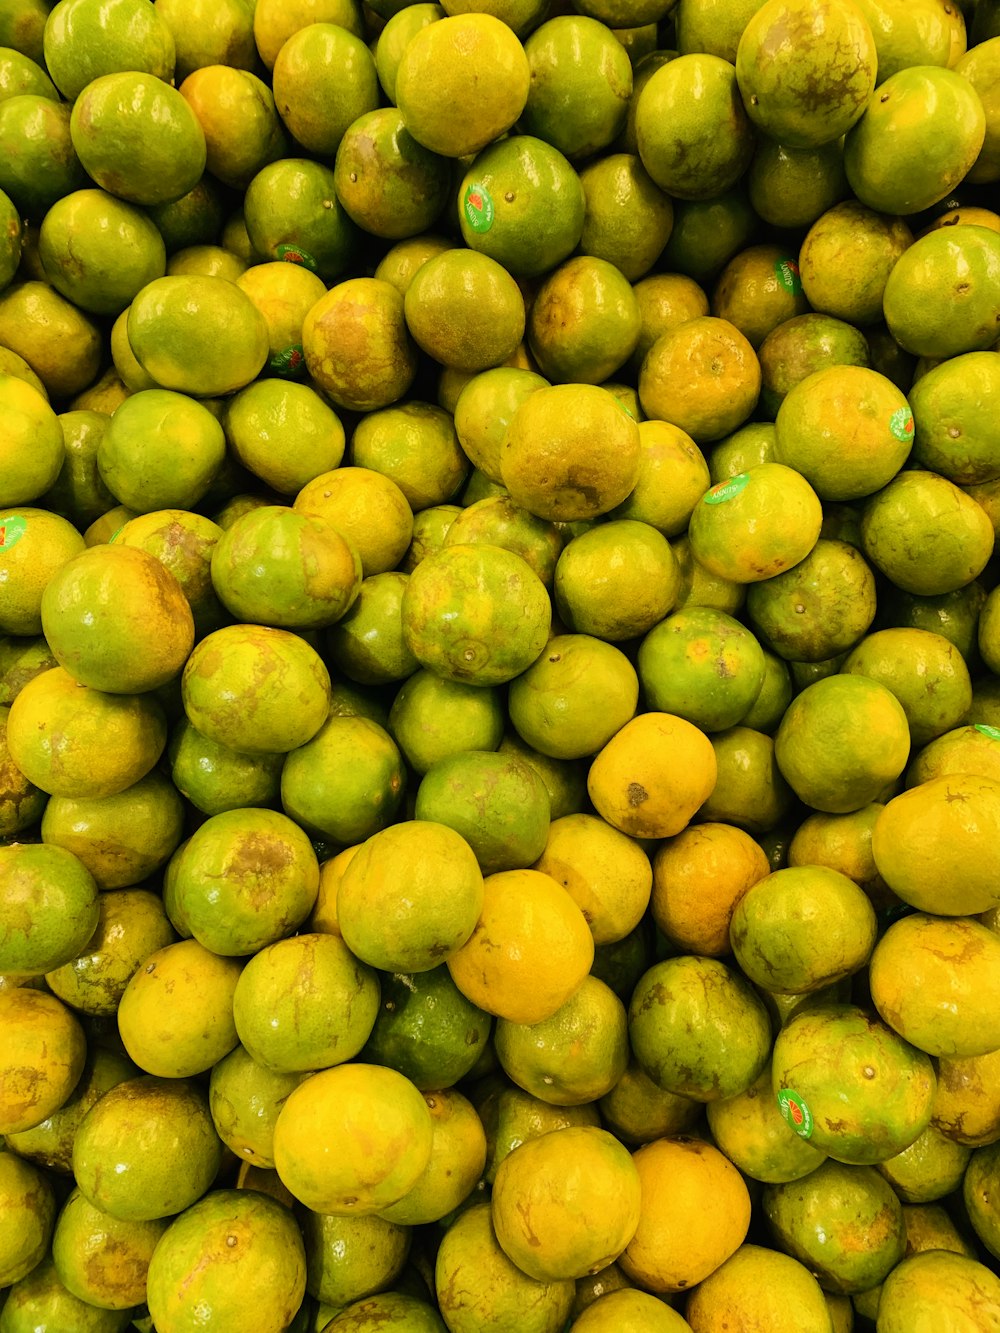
(357, 346)
(484, 409)
(42, 1060)
(758, 290)
(750, 1129)
(232, 1256)
(29, 1211)
(175, 1016)
(304, 1003)
(121, 838)
(842, 842)
(566, 1204)
(458, 1155)
(574, 1056)
(40, 1295)
(284, 294)
(274, 21)
(554, 703)
(956, 814)
(368, 508)
(695, 1214)
(236, 683)
(628, 1308)
(411, 896)
(699, 876)
(238, 117)
(323, 79)
(530, 950)
(702, 376)
(353, 1139)
(924, 670)
(673, 476)
(512, 1116)
(709, 143)
(34, 545)
(754, 525)
(101, 1259)
(72, 740)
(606, 873)
(147, 1149)
(932, 980)
(476, 1284)
(32, 451)
(846, 259)
(967, 1102)
(497, 521)
(571, 452)
(59, 342)
(461, 82)
(757, 1285)
(833, 42)
(968, 749)
(628, 218)
(132, 925)
(652, 775)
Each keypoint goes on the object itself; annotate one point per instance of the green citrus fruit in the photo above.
(137, 137)
(445, 305)
(323, 78)
(214, 777)
(238, 683)
(99, 251)
(584, 322)
(258, 425)
(915, 141)
(293, 213)
(50, 908)
(792, 187)
(83, 40)
(756, 524)
(580, 85)
(305, 1003)
(806, 69)
(198, 335)
(389, 184)
(522, 203)
(702, 665)
(709, 142)
(117, 620)
(245, 879)
(954, 418)
(43, 1057)
(162, 450)
(233, 1255)
(940, 298)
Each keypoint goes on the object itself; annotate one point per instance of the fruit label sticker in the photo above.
(992, 732)
(726, 490)
(288, 362)
(294, 254)
(12, 528)
(795, 1112)
(477, 205)
(787, 273)
(901, 424)
(115, 535)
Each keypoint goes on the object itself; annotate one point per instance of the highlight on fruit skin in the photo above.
(498, 649)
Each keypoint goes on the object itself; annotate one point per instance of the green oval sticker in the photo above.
(796, 1113)
(992, 732)
(477, 205)
(289, 362)
(12, 529)
(901, 424)
(787, 273)
(294, 254)
(726, 490)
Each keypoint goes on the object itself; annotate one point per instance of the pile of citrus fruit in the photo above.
(499, 666)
